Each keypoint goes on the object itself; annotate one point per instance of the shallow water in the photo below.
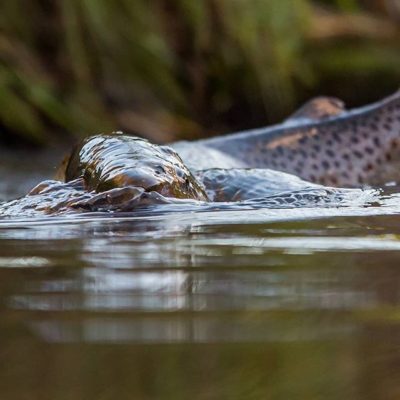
(237, 304)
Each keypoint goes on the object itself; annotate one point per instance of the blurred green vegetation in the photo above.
(181, 69)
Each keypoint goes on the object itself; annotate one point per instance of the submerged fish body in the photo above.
(321, 143)
(284, 165)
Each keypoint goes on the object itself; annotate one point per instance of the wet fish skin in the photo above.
(329, 146)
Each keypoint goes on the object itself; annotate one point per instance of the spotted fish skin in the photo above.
(342, 148)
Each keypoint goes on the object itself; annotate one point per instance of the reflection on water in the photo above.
(206, 306)
(247, 304)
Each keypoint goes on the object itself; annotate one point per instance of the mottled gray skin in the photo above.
(321, 143)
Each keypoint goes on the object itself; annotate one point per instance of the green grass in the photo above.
(166, 69)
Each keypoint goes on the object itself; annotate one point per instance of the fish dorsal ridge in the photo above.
(318, 109)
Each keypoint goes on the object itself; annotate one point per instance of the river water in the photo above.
(237, 304)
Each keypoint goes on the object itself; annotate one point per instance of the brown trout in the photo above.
(321, 143)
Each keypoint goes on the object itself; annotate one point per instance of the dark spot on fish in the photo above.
(346, 156)
(329, 142)
(369, 167)
(393, 143)
(336, 163)
(360, 179)
(377, 141)
(358, 154)
(312, 178)
(355, 140)
(373, 126)
(303, 140)
(388, 127)
(314, 167)
(330, 153)
(336, 137)
(388, 157)
(303, 153)
(325, 164)
(369, 150)
(317, 147)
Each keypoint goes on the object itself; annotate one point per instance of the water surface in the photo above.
(237, 304)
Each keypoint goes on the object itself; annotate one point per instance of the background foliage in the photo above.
(181, 69)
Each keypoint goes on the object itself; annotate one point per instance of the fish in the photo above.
(322, 142)
(322, 155)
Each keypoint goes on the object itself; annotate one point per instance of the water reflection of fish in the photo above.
(321, 143)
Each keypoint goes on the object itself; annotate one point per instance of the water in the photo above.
(237, 304)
